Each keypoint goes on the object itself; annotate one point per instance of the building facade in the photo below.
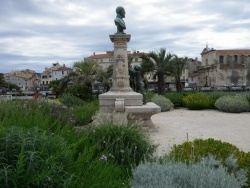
(224, 67)
(26, 80)
(56, 72)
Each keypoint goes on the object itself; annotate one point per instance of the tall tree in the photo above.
(2, 81)
(104, 77)
(176, 68)
(159, 64)
(84, 73)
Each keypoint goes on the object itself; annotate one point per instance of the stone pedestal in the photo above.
(121, 98)
(120, 80)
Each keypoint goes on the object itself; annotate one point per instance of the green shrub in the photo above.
(247, 97)
(175, 98)
(199, 148)
(206, 174)
(198, 101)
(70, 100)
(216, 95)
(94, 168)
(233, 104)
(127, 145)
(163, 102)
(149, 96)
(32, 158)
(30, 113)
(84, 114)
(83, 92)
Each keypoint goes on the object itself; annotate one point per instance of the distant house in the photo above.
(104, 60)
(222, 67)
(56, 72)
(26, 80)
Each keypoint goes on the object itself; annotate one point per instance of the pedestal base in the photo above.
(142, 113)
(107, 100)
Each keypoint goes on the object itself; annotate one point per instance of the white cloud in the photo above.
(35, 33)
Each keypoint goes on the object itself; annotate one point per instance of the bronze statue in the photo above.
(137, 80)
(120, 11)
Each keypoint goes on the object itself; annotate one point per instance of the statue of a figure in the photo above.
(138, 84)
(120, 11)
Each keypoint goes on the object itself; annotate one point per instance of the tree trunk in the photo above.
(161, 84)
(178, 84)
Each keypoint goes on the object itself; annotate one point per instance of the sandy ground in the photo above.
(179, 125)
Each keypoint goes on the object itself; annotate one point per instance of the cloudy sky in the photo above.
(36, 33)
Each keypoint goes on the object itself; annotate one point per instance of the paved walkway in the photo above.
(179, 125)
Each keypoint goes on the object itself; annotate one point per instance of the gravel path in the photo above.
(179, 125)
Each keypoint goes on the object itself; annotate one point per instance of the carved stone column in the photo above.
(120, 79)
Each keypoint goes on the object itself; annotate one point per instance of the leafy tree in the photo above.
(104, 77)
(81, 79)
(3, 83)
(159, 64)
(176, 67)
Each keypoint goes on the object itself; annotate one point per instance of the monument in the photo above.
(121, 98)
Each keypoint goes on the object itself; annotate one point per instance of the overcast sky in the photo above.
(36, 33)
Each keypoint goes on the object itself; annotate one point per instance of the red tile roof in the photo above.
(63, 69)
(108, 54)
(234, 52)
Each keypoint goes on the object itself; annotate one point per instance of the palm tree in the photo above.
(84, 73)
(159, 64)
(104, 76)
(176, 68)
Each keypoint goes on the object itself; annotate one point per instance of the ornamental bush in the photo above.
(198, 101)
(83, 114)
(32, 158)
(195, 150)
(207, 173)
(127, 145)
(233, 104)
(163, 102)
(70, 100)
(175, 98)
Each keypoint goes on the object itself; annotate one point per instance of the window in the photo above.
(62, 72)
(221, 59)
(206, 62)
(47, 82)
(235, 59)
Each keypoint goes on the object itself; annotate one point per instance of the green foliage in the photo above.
(83, 92)
(83, 114)
(30, 113)
(199, 148)
(93, 168)
(163, 102)
(198, 101)
(32, 158)
(158, 63)
(71, 100)
(247, 97)
(176, 98)
(149, 96)
(127, 145)
(54, 139)
(233, 104)
(207, 173)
